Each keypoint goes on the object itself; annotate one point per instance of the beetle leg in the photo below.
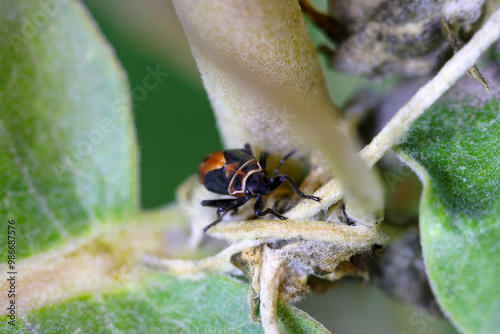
(226, 205)
(262, 160)
(230, 205)
(281, 178)
(257, 209)
(281, 163)
(215, 203)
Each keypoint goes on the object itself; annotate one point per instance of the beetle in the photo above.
(238, 173)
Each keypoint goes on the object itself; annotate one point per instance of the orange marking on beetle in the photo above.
(212, 162)
(232, 169)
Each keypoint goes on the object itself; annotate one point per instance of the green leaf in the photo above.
(68, 166)
(162, 304)
(68, 157)
(454, 149)
(293, 320)
(100, 286)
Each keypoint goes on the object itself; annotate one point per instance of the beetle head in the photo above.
(258, 184)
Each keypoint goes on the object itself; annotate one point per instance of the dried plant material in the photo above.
(397, 37)
(456, 44)
(463, 13)
(400, 271)
(218, 262)
(475, 74)
(321, 231)
(271, 274)
(333, 27)
(433, 90)
(277, 256)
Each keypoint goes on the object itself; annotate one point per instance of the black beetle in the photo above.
(238, 173)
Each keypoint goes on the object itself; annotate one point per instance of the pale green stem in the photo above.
(270, 281)
(218, 262)
(266, 87)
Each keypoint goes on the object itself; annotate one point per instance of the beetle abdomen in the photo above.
(226, 172)
(211, 162)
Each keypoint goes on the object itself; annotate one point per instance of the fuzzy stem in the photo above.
(262, 229)
(266, 87)
(270, 280)
(188, 267)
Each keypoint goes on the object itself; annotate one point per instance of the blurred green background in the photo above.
(176, 129)
(175, 125)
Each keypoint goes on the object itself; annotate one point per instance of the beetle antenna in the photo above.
(263, 159)
(281, 163)
(247, 148)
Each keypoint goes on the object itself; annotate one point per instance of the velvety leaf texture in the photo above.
(68, 157)
(68, 167)
(163, 304)
(454, 148)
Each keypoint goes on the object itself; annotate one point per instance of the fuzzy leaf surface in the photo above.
(68, 166)
(454, 149)
(162, 304)
(68, 156)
